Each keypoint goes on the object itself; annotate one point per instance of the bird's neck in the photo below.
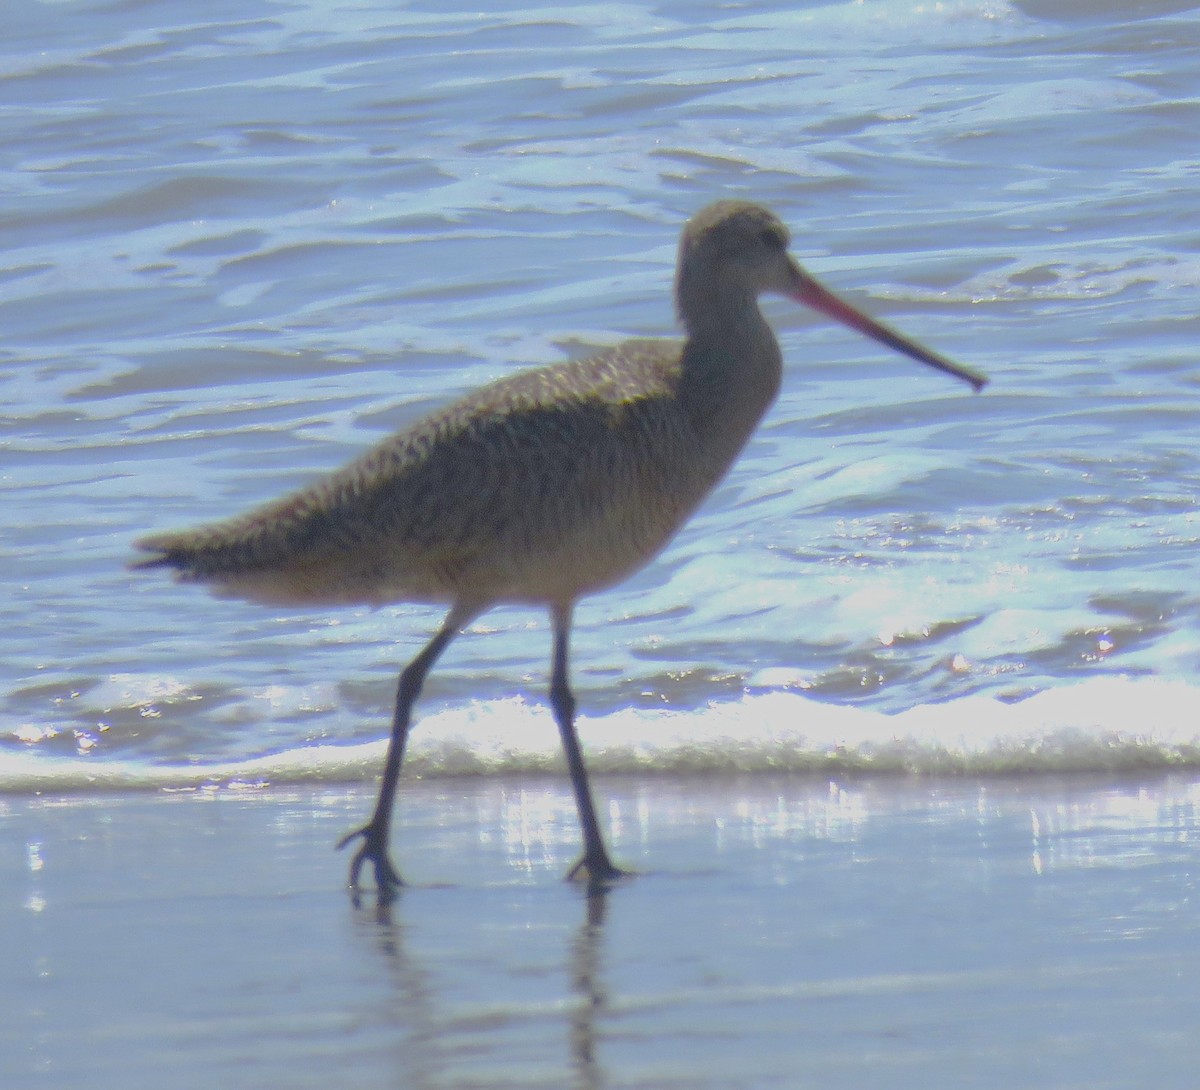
(731, 369)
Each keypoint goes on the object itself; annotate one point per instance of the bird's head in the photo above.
(733, 251)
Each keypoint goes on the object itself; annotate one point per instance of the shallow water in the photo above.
(239, 246)
(782, 933)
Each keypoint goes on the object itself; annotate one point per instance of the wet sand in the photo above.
(781, 932)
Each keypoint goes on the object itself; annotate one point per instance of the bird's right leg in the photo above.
(595, 864)
(375, 833)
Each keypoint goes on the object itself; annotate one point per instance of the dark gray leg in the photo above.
(595, 862)
(375, 833)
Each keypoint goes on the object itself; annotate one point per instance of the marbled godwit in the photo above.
(540, 488)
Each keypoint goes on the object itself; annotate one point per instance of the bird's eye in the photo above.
(770, 239)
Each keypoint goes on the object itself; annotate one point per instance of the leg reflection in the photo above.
(586, 982)
(419, 1063)
(448, 1010)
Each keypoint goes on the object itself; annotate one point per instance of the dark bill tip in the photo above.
(811, 293)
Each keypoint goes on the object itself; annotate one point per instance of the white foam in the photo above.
(1102, 724)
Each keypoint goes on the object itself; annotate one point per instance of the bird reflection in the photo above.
(420, 1063)
(588, 984)
(426, 1019)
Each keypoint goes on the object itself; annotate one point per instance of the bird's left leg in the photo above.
(376, 832)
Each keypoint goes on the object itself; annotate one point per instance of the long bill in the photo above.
(806, 290)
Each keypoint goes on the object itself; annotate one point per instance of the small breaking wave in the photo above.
(1110, 724)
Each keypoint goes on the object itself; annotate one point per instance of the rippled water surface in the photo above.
(241, 242)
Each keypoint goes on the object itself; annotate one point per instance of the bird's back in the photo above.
(540, 487)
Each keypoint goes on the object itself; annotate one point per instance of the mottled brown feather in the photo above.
(541, 487)
(547, 484)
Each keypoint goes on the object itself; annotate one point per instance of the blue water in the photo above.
(242, 242)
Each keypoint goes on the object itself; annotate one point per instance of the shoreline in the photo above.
(865, 932)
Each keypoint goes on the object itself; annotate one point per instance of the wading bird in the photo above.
(540, 488)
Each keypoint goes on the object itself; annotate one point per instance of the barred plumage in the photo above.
(542, 487)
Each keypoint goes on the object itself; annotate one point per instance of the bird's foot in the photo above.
(596, 871)
(374, 851)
